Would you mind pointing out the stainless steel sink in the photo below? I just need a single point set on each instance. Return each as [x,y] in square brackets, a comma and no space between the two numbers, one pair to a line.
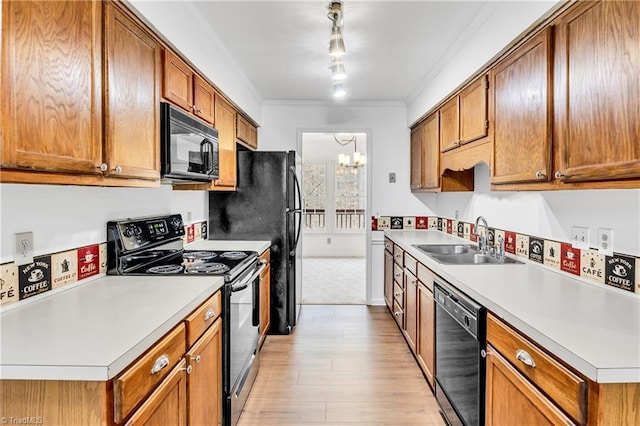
[446,248]
[461,254]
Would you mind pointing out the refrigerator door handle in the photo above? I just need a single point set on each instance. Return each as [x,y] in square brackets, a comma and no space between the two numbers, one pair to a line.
[296,210]
[297,182]
[295,243]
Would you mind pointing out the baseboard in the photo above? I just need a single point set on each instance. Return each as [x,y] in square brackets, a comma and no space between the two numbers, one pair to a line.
[377,302]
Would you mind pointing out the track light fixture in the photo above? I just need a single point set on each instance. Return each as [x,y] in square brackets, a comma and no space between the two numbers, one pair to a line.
[337,48]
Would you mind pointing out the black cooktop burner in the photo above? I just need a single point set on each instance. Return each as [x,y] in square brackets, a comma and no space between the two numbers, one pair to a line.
[165,269]
[235,255]
[207,268]
[199,255]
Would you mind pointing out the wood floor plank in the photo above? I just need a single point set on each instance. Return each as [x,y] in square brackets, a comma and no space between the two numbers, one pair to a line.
[342,365]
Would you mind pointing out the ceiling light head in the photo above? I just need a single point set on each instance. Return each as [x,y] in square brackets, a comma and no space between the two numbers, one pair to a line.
[338,90]
[335,12]
[338,72]
[336,44]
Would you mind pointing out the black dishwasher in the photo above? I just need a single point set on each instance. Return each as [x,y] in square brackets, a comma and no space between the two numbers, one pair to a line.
[460,341]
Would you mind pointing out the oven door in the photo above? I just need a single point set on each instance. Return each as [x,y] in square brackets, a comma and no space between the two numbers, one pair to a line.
[244,323]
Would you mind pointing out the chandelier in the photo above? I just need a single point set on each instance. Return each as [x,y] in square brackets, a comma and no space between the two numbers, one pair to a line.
[356,159]
[336,48]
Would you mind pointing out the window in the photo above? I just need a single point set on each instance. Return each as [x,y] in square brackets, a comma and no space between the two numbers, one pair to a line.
[334,202]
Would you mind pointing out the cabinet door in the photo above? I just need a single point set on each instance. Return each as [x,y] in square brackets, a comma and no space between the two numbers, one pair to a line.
[388,279]
[252,135]
[431,153]
[203,99]
[177,82]
[52,85]
[167,405]
[416,157]
[411,309]
[204,382]
[226,125]
[132,98]
[473,111]
[425,350]
[265,301]
[597,58]
[450,125]
[523,113]
[510,396]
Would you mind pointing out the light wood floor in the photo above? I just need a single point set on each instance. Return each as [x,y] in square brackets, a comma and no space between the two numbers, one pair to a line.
[342,365]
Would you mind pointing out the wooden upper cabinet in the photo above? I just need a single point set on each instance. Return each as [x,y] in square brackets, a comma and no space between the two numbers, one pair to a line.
[203,99]
[177,82]
[431,153]
[416,157]
[597,82]
[450,124]
[246,132]
[225,117]
[131,98]
[51,75]
[473,111]
[523,113]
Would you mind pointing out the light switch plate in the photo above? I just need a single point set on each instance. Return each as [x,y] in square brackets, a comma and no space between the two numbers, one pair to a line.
[580,237]
[392,177]
[605,241]
[23,249]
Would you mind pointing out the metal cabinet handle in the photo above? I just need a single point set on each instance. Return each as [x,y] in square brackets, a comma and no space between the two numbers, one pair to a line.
[161,362]
[103,167]
[524,357]
[397,313]
[456,144]
[397,275]
[540,175]
[559,175]
[209,314]
[196,359]
[397,294]
[118,170]
[189,369]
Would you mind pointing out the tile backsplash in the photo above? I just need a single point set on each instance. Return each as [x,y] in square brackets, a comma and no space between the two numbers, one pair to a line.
[620,270]
[55,270]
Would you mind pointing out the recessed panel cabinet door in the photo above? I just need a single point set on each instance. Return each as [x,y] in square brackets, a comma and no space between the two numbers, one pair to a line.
[523,113]
[177,81]
[450,125]
[51,85]
[473,111]
[431,153]
[132,101]
[203,99]
[226,126]
[416,158]
[597,81]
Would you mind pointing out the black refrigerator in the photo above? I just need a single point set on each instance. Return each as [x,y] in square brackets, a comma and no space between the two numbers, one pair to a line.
[267,205]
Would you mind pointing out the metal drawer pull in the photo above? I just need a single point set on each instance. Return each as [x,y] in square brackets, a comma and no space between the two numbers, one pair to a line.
[397,314]
[397,294]
[559,175]
[189,369]
[196,359]
[397,275]
[540,175]
[161,362]
[525,358]
[209,314]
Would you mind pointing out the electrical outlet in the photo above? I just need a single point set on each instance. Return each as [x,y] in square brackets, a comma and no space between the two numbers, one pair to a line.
[580,237]
[605,241]
[23,249]
[392,177]
[328,240]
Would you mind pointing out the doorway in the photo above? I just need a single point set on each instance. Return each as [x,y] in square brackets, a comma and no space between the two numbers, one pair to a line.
[334,184]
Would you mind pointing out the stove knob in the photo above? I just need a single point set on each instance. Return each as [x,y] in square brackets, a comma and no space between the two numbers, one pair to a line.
[176,223]
[137,230]
[128,232]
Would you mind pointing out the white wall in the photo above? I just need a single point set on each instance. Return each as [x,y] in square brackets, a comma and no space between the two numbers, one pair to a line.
[341,245]
[64,217]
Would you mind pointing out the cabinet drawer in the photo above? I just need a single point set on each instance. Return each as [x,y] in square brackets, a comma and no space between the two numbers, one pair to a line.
[398,275]
[140,378]
[425,276]
[388,245]
[203,317]
[398,255]
[398,313]
[566,389]
[410,264]
[398,295]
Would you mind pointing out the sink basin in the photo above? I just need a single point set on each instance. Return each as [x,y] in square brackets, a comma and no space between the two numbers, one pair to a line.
[471,259]
[446,248]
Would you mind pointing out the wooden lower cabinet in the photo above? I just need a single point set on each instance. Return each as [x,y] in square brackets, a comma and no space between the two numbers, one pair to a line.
[410,309]
[204,380]
[388,279]
[167,405]
[512,399]
[425,349]
[265,299]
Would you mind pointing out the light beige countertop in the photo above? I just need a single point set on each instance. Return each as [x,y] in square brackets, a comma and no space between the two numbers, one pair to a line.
[94,330]
[593,328]
[229,245]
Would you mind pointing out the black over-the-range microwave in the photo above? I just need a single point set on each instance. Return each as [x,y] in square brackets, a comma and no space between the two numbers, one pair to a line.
[188,147]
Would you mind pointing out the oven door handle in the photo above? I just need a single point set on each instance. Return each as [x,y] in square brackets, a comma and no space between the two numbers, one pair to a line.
[245,283]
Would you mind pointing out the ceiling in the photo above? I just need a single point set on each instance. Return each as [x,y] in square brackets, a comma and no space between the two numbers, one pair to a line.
[393,47]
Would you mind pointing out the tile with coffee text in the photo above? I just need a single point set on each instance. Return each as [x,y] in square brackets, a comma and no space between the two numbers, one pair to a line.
[510,242]
[384,223]
[433,222]
[552,254]
[461,229]
[88,261]
[449,226]
[35,278]
[522,245]
[64,268]
[592,265]
[396,222]
[191,233]
[473,236]
[374,223]
[454,227]
[197,231]
[569,259]
[536,249]
[409,222]
[467,231]
[102,252]
[9,285]
[422,222]
[620,271]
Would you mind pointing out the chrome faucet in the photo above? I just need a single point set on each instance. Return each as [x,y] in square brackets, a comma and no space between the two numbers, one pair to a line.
[482,245]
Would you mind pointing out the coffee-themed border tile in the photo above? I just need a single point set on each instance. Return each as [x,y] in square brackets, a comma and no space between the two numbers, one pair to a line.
[56,270]
[620,270]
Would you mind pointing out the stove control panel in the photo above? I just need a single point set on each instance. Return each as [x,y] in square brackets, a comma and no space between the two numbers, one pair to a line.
[138,233]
